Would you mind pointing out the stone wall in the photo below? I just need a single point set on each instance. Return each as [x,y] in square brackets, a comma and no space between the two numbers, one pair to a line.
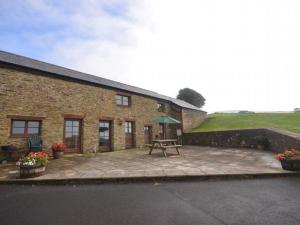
[234,138]
[192,119]
[32,93]
[274,140]
[175,112]
[280,139]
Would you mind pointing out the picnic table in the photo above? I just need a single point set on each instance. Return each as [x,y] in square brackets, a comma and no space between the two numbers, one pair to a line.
[164,145]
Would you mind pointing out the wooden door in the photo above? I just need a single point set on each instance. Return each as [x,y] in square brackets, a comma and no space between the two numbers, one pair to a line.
[147,134]
[72,135]
[162,131]
[129,137]
[105,138]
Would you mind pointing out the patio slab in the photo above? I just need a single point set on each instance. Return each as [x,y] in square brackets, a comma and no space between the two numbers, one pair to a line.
[137,163]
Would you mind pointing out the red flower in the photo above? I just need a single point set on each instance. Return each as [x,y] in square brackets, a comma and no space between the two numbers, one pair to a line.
[289,154]
[58,147]
[280,156]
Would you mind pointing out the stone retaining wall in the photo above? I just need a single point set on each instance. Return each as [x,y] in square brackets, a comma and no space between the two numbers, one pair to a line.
[269,139]
[280,140]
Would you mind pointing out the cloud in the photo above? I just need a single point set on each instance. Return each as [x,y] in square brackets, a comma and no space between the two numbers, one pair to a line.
[238,54]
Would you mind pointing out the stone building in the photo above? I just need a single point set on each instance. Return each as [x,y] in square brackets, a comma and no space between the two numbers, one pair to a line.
[86,112]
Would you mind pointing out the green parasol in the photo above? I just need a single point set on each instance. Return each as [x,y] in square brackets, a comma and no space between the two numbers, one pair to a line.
[165,120]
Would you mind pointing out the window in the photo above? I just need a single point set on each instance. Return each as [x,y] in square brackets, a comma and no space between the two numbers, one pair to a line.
[128,127]
[123,100]
[160,107]
[24,128]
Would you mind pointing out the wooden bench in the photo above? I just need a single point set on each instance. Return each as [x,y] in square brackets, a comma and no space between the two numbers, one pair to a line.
[163,145]
[172,146]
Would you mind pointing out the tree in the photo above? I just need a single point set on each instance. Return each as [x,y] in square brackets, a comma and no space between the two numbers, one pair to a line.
[191,96]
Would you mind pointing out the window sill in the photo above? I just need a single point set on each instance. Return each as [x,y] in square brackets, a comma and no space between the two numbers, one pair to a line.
[22,136]
[17,136]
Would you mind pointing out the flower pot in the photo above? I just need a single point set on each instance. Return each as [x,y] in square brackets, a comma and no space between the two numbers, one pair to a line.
[57,154]
[31,171]
[293,165]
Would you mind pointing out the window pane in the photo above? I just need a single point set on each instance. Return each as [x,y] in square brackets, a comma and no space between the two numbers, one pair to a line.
[68,135]
[18,130]
[102,129]
[33,130]
[68,129]
[75,130]
[160,107]
[17,123]
[33,124]
[104,141]
[119,101]
[75,123]
[105,134]
[125,102]
[68,123]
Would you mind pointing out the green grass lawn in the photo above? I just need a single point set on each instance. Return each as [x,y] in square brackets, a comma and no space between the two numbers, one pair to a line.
[232,121]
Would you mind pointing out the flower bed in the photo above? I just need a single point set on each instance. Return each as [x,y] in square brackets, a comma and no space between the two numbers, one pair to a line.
[290,159]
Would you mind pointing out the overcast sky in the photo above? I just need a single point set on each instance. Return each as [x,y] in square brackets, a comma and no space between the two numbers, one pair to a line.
[238,54]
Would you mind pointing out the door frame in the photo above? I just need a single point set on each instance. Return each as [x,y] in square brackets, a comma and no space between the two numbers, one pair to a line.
[164,131]
[132,133]
[149,133]
[72,150]
[110,135]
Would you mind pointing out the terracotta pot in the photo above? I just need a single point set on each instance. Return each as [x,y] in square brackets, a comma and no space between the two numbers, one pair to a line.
[31,171]
[57,154]
[293,165]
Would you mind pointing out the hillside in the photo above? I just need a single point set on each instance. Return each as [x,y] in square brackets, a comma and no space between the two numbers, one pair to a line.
[232,121]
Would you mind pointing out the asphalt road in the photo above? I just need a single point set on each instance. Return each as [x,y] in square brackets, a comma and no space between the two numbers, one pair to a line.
[265,201]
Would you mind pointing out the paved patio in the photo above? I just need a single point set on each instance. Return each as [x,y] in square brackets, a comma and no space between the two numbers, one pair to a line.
[193,161]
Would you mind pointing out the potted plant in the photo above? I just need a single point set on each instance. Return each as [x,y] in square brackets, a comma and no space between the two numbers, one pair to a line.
[290,159]
[32,165]
[58,150]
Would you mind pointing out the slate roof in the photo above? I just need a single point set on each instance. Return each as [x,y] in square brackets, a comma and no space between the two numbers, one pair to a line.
[26,62]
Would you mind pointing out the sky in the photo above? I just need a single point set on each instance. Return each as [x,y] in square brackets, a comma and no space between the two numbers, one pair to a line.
[240,55]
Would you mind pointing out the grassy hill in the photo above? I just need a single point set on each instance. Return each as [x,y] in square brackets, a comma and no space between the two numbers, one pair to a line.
[232,121]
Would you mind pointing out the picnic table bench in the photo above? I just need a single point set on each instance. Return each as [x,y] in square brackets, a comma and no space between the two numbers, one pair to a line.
[164,145]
